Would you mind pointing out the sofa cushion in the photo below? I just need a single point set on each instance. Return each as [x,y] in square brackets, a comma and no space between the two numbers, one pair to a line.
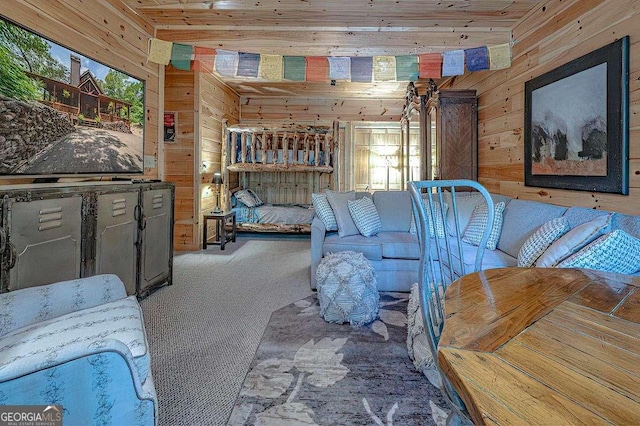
[365,216]
[394,209]
[626,223]
[616,251]
[399,245]
[120,320]
[324,211]
[370,247]
[338,201]
[490,259]
[574,240]
[540,240]
[521,219]
[579,215]
[479,222]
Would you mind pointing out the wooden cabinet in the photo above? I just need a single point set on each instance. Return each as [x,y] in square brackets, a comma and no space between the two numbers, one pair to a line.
[61,233]
[451,134]
[448,131]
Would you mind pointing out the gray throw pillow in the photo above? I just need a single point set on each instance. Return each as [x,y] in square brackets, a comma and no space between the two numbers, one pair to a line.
[338,201]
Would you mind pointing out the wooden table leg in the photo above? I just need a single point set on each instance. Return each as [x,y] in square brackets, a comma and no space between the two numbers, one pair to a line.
[223,233]
[204,235]
[233,229]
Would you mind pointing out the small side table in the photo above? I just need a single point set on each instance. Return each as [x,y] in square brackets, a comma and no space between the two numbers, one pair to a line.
[221,233]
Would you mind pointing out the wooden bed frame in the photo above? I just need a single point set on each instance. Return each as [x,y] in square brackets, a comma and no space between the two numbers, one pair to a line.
[313,150]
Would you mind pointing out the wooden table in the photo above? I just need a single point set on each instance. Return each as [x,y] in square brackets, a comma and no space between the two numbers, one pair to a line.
[544,346]
[221,233]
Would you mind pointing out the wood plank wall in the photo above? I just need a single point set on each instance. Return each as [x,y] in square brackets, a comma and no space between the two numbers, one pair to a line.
[551,35]
[105,31]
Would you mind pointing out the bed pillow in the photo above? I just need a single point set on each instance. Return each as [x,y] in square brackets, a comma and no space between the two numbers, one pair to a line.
[338,202]
[257,199]
[324,211]
[573,241]
[246,196]
[614,252]
[540,240]
[479,220]
[365,216]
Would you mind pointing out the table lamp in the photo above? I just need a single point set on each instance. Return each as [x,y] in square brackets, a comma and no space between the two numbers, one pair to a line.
[217,180]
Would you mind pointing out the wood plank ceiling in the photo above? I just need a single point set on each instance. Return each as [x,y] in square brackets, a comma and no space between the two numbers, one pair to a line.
[332,27]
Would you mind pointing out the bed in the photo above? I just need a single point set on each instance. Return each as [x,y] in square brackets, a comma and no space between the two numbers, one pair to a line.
[286,218]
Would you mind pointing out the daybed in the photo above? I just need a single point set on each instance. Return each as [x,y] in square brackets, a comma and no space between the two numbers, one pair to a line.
[80,344]
[394,251]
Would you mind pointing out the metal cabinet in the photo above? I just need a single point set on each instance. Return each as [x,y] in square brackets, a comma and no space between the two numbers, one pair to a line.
[61,233]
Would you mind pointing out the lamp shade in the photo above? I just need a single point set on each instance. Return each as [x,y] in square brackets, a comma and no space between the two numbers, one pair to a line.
[217,178]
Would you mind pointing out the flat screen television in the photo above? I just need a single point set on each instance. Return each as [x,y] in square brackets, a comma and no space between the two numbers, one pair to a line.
[62,113]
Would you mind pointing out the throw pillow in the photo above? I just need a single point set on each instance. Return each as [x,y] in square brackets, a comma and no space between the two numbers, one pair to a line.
[247,198]
[465,205]
[573,241]
[324,211]
[256,199]
[540,240]
[479,221]
[338,202]
[614,252]
[440,226]
[365,216]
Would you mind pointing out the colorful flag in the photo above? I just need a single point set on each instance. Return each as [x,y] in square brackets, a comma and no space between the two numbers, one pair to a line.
[159,51]
[477,58]
[362,69]
[430,65]
[500,56]
[248,64]
[294,68]
[453,62]
[226,62]
[204,59]
[340,68]
[271,67]
[181,56]
[317,68]
[384,68]
[406,68]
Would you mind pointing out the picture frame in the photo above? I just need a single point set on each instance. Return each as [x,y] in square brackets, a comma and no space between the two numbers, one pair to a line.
[576,130]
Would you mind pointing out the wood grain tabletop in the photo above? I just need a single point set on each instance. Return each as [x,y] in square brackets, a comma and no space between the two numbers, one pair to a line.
[544,346]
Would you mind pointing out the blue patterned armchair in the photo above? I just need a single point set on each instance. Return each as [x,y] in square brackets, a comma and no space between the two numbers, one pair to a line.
[80,344]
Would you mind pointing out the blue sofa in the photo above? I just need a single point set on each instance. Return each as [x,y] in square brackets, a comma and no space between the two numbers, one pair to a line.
[80,344]
[394,252]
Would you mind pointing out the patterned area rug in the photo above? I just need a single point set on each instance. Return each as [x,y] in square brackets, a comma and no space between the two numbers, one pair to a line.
[309,372]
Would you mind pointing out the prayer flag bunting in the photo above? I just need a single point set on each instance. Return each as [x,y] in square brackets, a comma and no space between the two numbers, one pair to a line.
[294,68]
[248,64]
[477,58]
[226,62]
[339,68]
[453,62]
[181,56]
[159,51]
[430,65]
[204,59]
[317,68]
[406,68]
[361,69]
[271,67]
[384,68]
[500,56]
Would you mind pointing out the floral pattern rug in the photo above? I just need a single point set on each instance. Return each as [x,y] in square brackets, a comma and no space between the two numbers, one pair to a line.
[310,372]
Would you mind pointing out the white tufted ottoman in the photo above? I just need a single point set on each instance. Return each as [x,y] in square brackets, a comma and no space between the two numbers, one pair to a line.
[347,289]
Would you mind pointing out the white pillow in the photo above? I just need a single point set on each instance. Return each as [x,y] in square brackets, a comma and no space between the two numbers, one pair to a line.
[573,241]
[614,252]
[338,202]
[465,205]
[324,211]
[248,198]
[479,220]
[540,240]
[365,216]
[440,225]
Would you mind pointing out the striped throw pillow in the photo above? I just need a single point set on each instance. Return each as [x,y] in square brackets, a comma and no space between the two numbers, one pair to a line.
[365,216]
[616,251]
[440,227]
[324,211]
[479,220]
[540,240]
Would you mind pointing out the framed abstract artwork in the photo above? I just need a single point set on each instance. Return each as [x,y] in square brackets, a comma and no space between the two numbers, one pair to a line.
[576,130]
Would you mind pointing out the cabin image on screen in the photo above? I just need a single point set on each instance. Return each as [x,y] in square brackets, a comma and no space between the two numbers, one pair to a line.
[82,99]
